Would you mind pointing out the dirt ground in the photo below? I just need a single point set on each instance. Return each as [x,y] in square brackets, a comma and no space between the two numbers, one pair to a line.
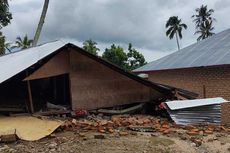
[137,142]
[116,134]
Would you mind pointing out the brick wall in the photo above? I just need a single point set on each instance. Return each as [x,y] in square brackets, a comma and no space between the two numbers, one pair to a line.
[207,82]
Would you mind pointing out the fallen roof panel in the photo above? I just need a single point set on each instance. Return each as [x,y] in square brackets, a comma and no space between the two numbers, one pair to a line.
[181,104]
[197,115]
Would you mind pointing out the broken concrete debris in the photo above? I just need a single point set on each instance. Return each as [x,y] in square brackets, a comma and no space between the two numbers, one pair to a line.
[55,107]
[142,128]
[122,111]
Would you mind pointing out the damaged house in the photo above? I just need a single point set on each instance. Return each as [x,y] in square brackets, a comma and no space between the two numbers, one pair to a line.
[56,73]
[203,68]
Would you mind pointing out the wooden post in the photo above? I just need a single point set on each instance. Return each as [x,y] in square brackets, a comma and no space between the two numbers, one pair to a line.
[30,94]
[204,91]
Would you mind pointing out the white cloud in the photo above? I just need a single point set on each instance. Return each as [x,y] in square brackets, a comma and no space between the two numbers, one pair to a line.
[113,21]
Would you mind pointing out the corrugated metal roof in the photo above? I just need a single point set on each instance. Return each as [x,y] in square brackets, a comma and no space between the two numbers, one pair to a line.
[209,52]
[14,63]
[182,104]
[196,111]
[197,115]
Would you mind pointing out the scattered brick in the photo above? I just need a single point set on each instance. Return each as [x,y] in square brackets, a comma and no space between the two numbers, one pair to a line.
[123,133]
[99,136]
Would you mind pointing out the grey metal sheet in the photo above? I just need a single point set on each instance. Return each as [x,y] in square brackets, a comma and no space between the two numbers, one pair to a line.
[197,115]
[209,52]
[182,104]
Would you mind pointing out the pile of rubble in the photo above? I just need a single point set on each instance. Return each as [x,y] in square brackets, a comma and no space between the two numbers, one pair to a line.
[122,125]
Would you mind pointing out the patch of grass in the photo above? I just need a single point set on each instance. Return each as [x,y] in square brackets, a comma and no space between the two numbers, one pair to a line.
[161,141]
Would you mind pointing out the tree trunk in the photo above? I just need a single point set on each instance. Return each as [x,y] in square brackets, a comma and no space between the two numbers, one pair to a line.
[41,22]
[177,41]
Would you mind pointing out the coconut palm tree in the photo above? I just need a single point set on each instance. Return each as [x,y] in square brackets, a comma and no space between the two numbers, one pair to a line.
[8,46]
[23,43]
[41,22]
[205,30]
[202,15]
[175,27]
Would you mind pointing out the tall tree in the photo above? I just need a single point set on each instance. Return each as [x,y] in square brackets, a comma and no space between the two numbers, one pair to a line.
[205,30]
[90,46]
[175,27]
[41,22]
[5,15]
[135,58]
[202,14]
[2,46]
[116,55]
[23,43]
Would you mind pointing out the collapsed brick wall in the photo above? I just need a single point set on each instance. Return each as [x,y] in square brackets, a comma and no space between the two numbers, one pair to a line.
[207,82]
[94,85]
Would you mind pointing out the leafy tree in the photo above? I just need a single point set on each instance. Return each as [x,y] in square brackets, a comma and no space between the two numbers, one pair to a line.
[116,55]
[23,43]
[90,46]
[135,59]
[202,15]
[205,30]
[175,27]
[5,15]
[127,61]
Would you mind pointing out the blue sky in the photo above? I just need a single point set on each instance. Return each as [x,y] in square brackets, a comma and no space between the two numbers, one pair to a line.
[113,21]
